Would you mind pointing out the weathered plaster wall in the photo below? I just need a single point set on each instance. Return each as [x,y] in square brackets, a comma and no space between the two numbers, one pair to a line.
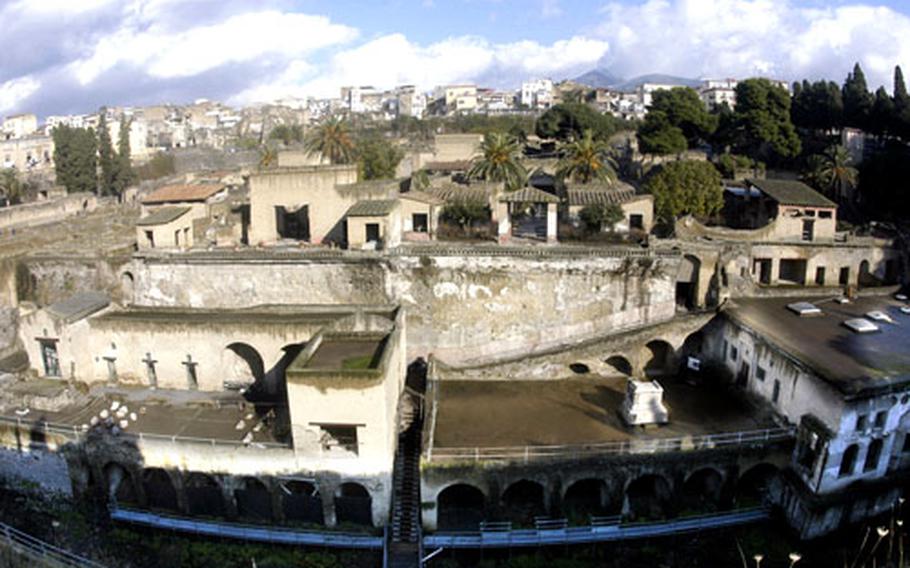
[38,213]
[461,307]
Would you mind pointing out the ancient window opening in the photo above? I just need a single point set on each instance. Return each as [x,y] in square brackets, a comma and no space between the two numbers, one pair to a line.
[338,437]
[293,223]
[760,373]
[150,238]
[873,454]
[637,222]
[861,421]
[824,214]
[881,417]
[775,396]
[50,357]
[372,232]
[848,461]
[420,223]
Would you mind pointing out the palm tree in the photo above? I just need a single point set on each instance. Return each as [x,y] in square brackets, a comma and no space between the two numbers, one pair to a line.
[832,173]
[331,139]
[587,160]
[499,159]
[268,156]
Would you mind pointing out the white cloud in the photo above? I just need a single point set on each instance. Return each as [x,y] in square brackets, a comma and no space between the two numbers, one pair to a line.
[393,60]
[746,37]
[241,38]
[14,91]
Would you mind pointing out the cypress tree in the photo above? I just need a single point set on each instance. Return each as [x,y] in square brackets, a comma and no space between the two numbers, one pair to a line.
[124,175]
[858,100]
[107,160]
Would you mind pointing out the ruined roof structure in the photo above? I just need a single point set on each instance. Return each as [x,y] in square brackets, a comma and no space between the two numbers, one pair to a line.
[528,195]
[79,306]
[421,197]
[600,195]
[853,363]
[374,208]
[162,216]
[182,193]
[791,192]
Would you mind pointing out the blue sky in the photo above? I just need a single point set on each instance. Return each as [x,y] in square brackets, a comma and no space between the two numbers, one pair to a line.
[68,56]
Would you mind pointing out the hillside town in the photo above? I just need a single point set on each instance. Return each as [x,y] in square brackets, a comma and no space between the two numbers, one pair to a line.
[408,328]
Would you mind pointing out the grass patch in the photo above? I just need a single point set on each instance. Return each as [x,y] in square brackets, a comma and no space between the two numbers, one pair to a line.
[356,363]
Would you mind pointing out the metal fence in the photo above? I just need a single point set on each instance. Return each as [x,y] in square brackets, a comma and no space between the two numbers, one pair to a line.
[257,533]
[40,552]
[527,454]
[71,432]
[601,529]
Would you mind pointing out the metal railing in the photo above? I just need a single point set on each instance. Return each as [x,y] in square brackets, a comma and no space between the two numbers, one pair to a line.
[600,529]
[42,553]
[527,454]
[257,533]
[71,432]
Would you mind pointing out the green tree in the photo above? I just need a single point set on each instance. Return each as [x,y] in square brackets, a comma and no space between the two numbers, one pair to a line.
[882,181]
[901,120]
[569,121]
[287,133]
[11,185]
[331,139]
[499,159]
[858,101]
[76,158]
[126,176]
[761,127]
[464,213]
[684,109]
[882,116]
[657,136]
[159,166]
[420,180]
[832,173]
[685,188]
[107,159]
[377,158]
[817,106]
[596,217]
[586,160]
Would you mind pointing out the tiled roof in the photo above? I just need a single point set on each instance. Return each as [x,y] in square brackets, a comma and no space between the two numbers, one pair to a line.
[375,208]
[452,193]
[451,166]
[79,306]
[600,195]
[162,216]
[422,197]
[183,192]
[528,195]
[791,192]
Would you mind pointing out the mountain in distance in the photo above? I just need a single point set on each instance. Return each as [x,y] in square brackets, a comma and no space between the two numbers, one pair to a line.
[597,79]
[658,78]
[603,78]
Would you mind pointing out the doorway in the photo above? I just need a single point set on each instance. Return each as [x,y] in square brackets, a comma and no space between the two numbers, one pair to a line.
[372,232]
[50,357]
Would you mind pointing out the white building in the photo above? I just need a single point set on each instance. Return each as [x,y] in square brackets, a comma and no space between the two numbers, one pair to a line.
[717,92]
[537,94]
[19,126]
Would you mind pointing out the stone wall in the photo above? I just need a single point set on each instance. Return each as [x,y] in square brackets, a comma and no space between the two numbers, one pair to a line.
[463,305]
[40,471]
[40,212]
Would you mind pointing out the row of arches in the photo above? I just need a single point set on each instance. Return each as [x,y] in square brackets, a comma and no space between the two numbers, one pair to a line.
[656,358]
[249,499]
[651,496]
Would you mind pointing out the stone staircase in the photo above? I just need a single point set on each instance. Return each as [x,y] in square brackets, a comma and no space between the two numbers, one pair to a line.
[404,534]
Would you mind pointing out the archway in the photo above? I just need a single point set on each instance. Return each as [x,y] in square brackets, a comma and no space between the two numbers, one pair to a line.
[659,358]
[254,500]
[159,489]
[203,495]
[620,364]
[588,498]
[687,282]
[353,505]
[701,493]
[524,500]
[120,487]
[460,507]
[866,278]
[243,365]
[648,498]
[756,485]
[270,395]
[127,288]
[301,502]
[580,368]
[693,344]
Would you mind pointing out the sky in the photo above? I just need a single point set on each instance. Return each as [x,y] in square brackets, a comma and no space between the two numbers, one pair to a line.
[73,56]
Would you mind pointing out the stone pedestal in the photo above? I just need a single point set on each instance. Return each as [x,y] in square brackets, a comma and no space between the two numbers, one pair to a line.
[644,404]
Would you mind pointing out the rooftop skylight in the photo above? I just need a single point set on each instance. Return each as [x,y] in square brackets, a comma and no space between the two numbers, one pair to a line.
[860,325]
[881,316]
[804,309]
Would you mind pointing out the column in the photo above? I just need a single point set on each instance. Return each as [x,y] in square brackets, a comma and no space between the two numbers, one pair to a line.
[551,223]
